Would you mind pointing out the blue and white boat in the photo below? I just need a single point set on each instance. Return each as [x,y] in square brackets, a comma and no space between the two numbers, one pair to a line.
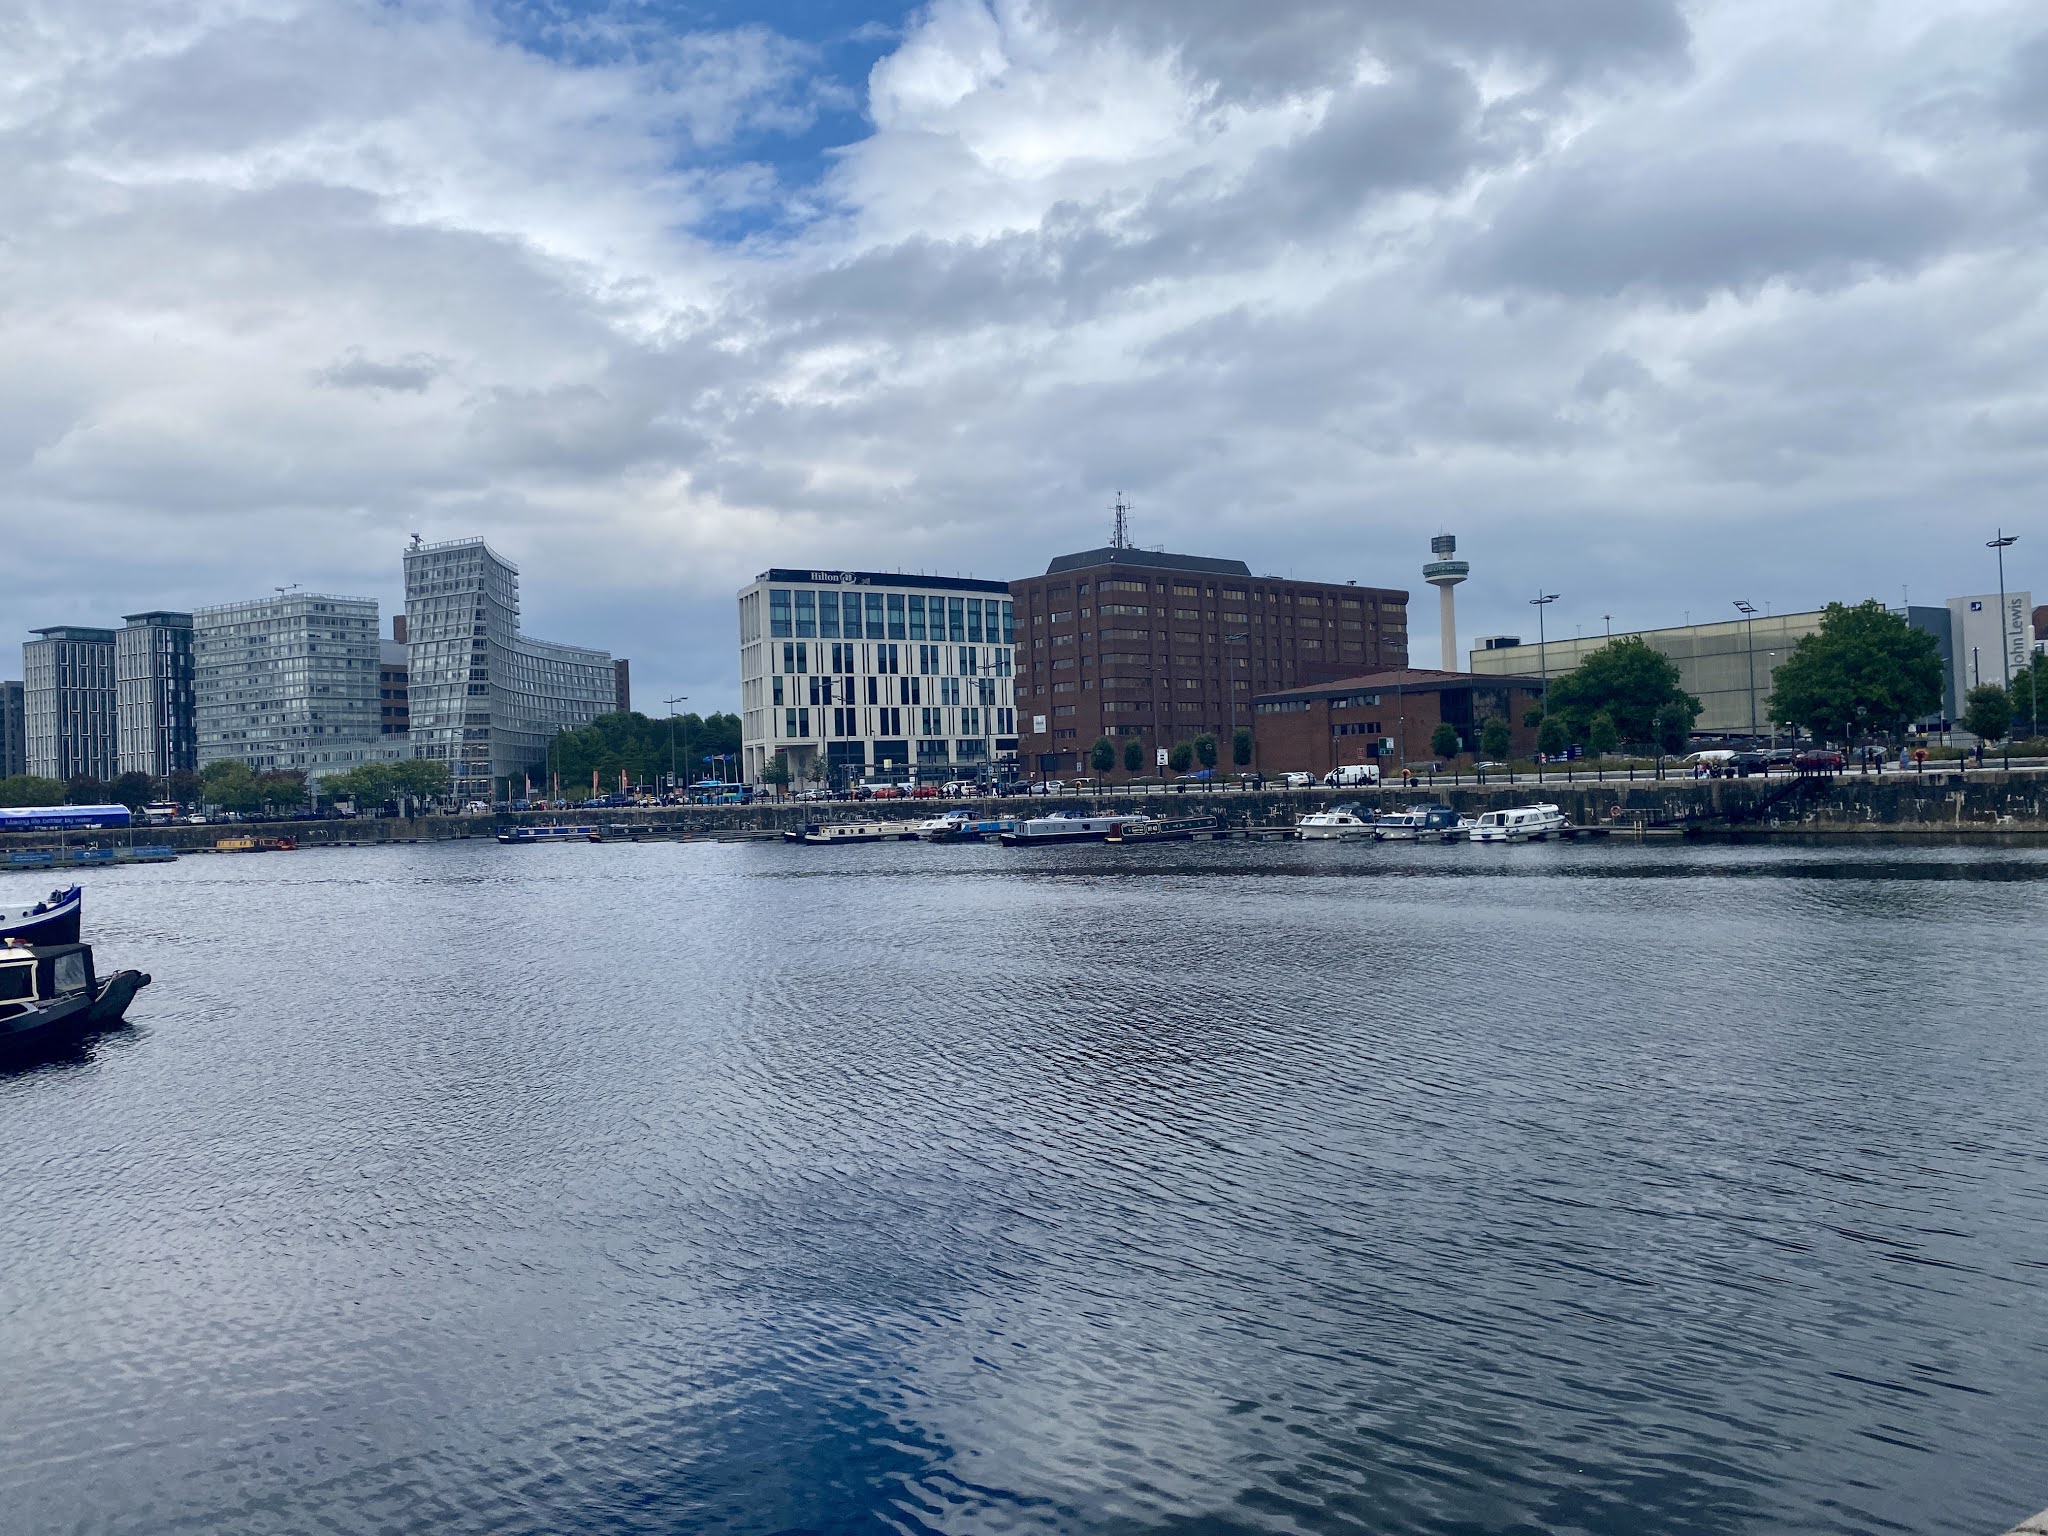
[550,835]
[53,920]
[965,827]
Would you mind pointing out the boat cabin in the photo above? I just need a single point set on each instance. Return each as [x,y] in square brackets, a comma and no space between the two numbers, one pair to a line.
[32,975]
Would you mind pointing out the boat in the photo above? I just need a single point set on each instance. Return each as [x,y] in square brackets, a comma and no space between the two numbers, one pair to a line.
[549,834]
[1523,824]
[255,844]
[49,995]
[1069,827]
[53,920]
[1421,824]
[965,827]
[860,832]
[1172,829]
[1337,823]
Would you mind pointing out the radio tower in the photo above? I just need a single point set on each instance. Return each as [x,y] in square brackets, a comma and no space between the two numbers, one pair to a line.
[1121,538]
[1444,573]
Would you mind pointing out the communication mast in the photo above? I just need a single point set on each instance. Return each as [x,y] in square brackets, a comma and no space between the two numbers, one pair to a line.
[1121,538]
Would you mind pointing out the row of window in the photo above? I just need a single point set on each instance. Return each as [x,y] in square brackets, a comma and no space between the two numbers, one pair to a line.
[808,615]
[800,658]
[825,689]
[887,720]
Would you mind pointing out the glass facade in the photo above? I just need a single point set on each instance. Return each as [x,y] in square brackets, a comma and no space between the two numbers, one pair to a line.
[484,698]
[288,683]
[845,679]
[69,718]
[156,695]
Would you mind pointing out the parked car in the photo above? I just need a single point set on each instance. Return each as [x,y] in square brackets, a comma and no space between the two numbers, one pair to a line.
[1743,764]
[1491,767]
[1299,780]
[956,789]
[1820,761]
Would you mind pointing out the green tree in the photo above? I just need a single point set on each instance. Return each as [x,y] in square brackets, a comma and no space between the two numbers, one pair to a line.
[1134,755]
[1181,758]
[1241,746]
[1102,756]
[1532,717]
[183,787]
[26,789]
[1601,736]
[420,777]
[1551,737]
[1206,747]
[367,784]
[1630,682]
[1987,712]
[1495,739]
[230,784]
[134,790]
[1671,728]
[642,747]
[2029,694]
[281,790]
[1865,670]
[776,771]
[1444,740]
[84,789]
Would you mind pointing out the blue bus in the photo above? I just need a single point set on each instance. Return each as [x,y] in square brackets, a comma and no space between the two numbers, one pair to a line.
[63,818]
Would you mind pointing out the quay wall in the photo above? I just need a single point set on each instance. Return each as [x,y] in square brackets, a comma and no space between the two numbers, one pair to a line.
[1951,804]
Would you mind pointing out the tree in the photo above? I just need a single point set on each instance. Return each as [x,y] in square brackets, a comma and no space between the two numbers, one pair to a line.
[1552,738]
[420,777]
[1241,746]
[1864,670]
[1444,740]
[1630,682]
[27,789]
[1134,755]
[84,789]
[281,790]
[629,740]
[1671,728]
[231,785]
[1181,758]
[183,787]
[2029,691]
[1102,756]
[1987,712]
[134,790]
[1601,735]
[776,771]
[1495,739]
[1532,717]
[1205,749]
[365,784]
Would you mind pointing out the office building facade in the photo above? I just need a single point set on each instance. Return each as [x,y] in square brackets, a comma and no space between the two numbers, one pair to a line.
[484,698]
[288,683]
[68,703]
[394,672]
[156,695]
[852,674]
[13,731]
[1990,643]
[1387,719]
[1123,642]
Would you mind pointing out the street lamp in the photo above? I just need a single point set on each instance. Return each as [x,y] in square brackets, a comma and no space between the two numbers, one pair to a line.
[1539,603]
[1749,630]
[1230,683]
[2001,543]
[681,698]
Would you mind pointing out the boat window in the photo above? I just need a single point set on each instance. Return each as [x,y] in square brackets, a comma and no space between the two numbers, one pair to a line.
[71,972]
[17,981]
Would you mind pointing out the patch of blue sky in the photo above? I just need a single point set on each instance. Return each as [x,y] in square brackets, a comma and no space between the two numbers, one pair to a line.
[837,43]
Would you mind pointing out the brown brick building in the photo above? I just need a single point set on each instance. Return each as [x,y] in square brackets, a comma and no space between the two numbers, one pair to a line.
[1124,642]
[1386,718]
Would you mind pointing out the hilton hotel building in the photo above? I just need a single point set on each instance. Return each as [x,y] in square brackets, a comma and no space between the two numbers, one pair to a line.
[857,673]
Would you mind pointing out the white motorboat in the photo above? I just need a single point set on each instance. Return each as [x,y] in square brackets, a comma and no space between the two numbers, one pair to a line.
[1524,824]
[1338,823]
[1421,824]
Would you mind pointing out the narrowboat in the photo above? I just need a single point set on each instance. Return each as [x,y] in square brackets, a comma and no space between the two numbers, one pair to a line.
[1069,827]
[50,995]
[550,835]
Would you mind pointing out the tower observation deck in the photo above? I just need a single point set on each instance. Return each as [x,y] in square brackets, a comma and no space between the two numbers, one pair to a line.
[1444,573]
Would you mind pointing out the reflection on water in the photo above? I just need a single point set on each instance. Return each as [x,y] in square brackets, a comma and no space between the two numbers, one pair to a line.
[1209,1188]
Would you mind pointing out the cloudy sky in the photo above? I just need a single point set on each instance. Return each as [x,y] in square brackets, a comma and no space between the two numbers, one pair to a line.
[1655,304]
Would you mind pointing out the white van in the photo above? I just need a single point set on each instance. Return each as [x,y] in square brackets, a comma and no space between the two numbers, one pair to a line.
[1352,774]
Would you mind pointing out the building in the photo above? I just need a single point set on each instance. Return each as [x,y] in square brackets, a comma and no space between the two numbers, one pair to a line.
[394,717]
[13,731]
[484,698]
[847,673]
[1386,718]
[622,685]
[1124,642]
[68,703]
[1987,650]
[288,683]
[156,698]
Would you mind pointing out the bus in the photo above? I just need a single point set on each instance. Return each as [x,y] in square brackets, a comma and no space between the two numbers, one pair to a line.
[64,818]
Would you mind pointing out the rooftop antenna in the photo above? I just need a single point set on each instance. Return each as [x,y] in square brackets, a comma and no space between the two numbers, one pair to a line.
[1121,538]
[415,541]
[280,591]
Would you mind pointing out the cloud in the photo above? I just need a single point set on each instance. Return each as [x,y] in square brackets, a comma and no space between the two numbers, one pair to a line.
[409,374]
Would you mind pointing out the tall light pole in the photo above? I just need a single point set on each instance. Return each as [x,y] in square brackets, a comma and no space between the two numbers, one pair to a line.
[681,698]
[1230,682]
[1539,603]
[1749,630]
[2001,543]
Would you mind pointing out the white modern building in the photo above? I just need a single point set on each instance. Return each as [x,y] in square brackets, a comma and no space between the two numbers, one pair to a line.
[156,694]
[482,697]
[68,708]
[851,674]
[1990,643]
[288,683]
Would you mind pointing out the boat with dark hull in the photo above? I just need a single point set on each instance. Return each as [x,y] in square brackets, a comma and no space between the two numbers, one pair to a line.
[50,996]
[1170,829]
[1070,827]
[550,834]
[53,920]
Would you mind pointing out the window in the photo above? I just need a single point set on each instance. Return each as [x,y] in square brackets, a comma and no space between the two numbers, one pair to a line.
[1063,618]
[1125,608]
[1064,711]
[1187,613]
[974,621]
[1062,639]
[849,615]
[828,616]
[778,687]
[896,627]
[917,618]
[1282,707]
[928,660]
[906,690]
[1123,586]
[1237,618]
[1009,623]
[807,614]
[778,612]
[931,722]
[1063,664]
[1180,590]
[967,667]
[956,619]
[874,691]
[1063,688]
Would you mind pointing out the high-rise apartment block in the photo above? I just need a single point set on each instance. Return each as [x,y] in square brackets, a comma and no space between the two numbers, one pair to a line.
[846,673]
[394,678]
[69,702]
[13,731]
[155,695]
[289,683]
[484,698]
